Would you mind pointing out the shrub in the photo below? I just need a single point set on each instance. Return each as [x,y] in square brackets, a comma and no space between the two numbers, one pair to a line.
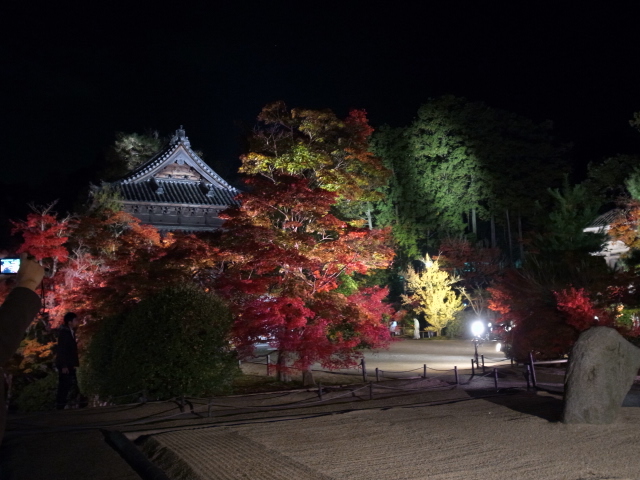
[39,395]
[171,344]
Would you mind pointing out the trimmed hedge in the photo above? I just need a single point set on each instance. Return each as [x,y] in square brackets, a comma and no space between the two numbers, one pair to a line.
[171,344]
[39,395]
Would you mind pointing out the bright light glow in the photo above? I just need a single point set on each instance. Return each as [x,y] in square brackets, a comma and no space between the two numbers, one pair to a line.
[498,347]
[477,328]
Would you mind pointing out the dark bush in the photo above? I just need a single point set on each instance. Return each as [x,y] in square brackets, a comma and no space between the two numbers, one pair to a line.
[172,344]
[39,395]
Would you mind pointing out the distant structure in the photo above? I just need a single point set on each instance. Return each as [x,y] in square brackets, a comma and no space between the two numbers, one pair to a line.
[175,190]
[612,249]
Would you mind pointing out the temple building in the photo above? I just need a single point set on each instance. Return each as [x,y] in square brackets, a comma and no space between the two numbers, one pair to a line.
[612,249]
[175,190]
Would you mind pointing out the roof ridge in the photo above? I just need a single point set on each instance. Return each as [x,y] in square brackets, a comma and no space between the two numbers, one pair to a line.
[178,140]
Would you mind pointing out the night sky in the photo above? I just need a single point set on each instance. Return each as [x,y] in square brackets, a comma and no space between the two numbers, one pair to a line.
[74,76]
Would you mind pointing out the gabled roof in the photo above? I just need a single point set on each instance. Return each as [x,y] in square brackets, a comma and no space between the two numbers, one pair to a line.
[606,218]
[176,175]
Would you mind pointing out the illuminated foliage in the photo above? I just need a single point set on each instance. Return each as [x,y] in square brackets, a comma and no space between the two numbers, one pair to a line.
[129,151]
[431,293]
[545,305]
[476,267]
[581,312]
[459,160]
[530,321]
[44,237]
[329,152]
[625,227]
[284,254]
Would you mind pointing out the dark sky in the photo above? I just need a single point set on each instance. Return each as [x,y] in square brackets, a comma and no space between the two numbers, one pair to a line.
[73,76]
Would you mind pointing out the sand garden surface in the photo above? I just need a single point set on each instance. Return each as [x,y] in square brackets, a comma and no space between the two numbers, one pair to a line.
[413,428]
[443,435]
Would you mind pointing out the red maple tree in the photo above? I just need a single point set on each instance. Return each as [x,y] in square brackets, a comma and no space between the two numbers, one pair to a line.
[44,236]
[284,254]
[529,320]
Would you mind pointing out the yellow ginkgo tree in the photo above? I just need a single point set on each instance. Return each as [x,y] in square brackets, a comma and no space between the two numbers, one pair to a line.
[430,291]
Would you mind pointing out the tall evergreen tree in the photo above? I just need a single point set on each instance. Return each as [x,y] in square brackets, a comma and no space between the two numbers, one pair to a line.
[129,151]
[561,231]
[460,162]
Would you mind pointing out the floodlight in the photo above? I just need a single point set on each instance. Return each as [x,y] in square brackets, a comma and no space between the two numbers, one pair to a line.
[477,328]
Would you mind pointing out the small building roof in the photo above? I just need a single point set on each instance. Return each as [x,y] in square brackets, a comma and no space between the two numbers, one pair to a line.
[176,175]
[175,193]
[606,218]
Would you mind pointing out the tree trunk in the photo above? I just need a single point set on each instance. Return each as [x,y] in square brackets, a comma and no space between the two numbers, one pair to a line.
[494,243]
[474,225]
[369,218]
[509,236]
[307,378]
[520,242]
[283,376]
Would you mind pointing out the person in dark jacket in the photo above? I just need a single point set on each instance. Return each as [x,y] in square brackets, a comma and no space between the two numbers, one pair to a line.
[67,359]
[16,313]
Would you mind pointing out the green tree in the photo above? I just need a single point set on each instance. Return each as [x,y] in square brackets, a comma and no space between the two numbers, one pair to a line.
[331,153]
[460,162]
[633,184]
[432,293]
[129,151]
[559,258]
[402,207]
[616,176]
[560,232]
[174,343]
[608,179]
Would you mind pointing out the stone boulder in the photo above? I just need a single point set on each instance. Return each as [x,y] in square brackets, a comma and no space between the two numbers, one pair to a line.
[602,367]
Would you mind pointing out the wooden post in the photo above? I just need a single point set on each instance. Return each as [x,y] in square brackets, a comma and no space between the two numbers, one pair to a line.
[533,371]
[268,365]
[473,369]
[455,372]
[370,390]
[483,369]
[320,390]
[377,375]
[527,375]
[424,371]
[364,370]
[495,377]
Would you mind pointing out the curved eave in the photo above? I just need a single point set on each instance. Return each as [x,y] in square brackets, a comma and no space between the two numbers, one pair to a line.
[168,156]
[176,193]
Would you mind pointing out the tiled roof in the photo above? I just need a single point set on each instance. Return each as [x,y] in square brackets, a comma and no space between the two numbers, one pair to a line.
[175,192]
[606,218]
[155,162]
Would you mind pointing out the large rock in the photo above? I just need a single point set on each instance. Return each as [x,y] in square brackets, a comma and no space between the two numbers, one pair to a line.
[602,367]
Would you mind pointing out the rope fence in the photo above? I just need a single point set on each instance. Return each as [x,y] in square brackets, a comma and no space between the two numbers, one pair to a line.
[414,381]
